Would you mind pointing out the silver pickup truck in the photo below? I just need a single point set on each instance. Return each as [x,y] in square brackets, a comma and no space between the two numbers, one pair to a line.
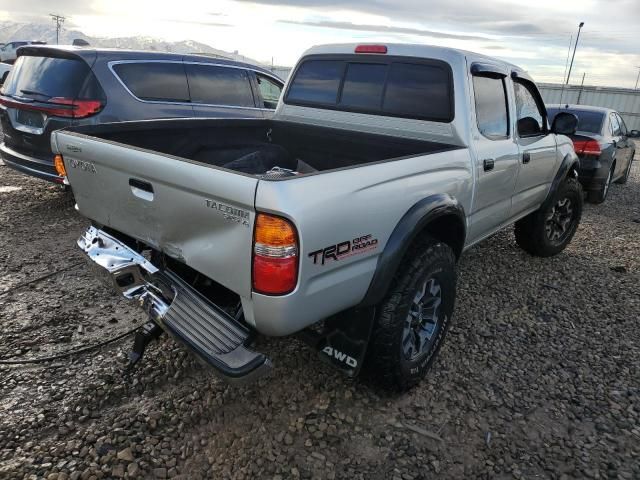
[340,219]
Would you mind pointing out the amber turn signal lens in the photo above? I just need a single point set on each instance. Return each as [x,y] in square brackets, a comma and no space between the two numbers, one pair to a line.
[274,231]
[59,164]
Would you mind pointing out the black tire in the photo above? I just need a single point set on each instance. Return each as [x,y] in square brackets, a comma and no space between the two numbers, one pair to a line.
[623,179]
[533,231]
[429,264]
[599,196]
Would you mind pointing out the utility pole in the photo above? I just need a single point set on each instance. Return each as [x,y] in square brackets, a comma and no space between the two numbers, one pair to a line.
[574,51]
[637,78]
[580,92]
[59,19]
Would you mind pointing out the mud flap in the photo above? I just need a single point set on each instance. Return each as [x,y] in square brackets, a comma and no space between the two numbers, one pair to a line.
[343,339]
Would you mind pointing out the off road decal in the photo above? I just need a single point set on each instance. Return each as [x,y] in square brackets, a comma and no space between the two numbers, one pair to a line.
[345,249]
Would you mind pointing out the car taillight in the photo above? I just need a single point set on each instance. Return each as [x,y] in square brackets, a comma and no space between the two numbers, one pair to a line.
[371,49]
[587,147]
[60,107]
[275,255]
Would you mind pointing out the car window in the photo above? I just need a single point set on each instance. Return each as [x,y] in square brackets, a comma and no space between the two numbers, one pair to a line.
[590,122]
[530,118]
[269,90]
[421,91]
[363,86]
[615,126]
[216,85]
[623,126]
[20,44]
[155,81]
[45,77]
[491,107]
[317,81]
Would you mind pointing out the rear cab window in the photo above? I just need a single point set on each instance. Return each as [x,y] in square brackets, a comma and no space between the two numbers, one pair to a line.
[376,85]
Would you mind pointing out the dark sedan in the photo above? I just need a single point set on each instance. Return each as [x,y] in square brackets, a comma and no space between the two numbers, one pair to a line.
[602,142]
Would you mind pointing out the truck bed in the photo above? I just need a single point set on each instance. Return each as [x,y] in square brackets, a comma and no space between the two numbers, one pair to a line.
[254,147]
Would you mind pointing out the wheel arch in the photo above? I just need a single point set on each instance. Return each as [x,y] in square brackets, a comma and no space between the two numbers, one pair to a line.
[440,216]
[568,168]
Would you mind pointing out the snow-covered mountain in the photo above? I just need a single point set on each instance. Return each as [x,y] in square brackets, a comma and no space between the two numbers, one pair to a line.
[13,31]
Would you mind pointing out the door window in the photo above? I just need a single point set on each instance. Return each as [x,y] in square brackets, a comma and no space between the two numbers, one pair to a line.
[530,116]
[269,90]
[491,107]
[615,126]
[623,127]
[215,85]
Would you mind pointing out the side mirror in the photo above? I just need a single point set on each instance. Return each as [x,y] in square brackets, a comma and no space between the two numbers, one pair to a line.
[634,133]
[565,123]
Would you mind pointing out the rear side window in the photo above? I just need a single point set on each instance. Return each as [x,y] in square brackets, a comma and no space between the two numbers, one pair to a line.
[491,107]
[42,78]
[155,80]
[386,86]
[219,85]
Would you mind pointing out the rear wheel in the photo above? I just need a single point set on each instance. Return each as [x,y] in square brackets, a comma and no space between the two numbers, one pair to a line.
[548,230]
[599,196]
[413,319]
[625,177]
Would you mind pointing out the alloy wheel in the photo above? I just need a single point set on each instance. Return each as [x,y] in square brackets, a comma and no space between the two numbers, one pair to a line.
[423,320]
[558,221]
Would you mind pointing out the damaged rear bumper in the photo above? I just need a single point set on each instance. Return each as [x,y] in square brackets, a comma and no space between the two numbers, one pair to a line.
[203,327]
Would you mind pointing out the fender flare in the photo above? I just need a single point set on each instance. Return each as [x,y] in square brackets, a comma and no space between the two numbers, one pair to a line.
[410,225]
[569,163]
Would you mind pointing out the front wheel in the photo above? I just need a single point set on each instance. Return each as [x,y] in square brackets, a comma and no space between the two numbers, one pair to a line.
[548,230]
[413,319]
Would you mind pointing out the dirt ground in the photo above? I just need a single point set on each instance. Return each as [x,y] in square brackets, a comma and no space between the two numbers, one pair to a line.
[539,377]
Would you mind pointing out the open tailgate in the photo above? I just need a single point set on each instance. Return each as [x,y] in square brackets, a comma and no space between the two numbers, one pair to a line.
[198,214]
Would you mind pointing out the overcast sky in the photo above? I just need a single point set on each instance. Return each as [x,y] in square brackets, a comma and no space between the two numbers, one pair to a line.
[534,34]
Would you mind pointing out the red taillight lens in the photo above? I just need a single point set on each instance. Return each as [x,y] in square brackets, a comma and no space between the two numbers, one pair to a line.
[371,49]
[275,255]
[60,107]
[587,147]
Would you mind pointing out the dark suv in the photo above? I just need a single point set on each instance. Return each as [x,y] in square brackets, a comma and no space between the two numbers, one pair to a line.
[54,87]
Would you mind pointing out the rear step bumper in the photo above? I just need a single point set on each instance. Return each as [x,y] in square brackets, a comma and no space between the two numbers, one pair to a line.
[207,330]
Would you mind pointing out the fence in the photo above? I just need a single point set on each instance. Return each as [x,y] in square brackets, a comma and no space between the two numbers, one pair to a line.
[624,100]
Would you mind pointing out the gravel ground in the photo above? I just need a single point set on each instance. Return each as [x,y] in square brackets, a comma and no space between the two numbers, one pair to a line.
[539,378]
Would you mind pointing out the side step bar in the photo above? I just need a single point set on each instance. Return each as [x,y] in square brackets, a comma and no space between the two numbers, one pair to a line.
[207,330]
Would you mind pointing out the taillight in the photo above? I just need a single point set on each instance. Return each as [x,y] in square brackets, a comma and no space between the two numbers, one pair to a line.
[58,163]
[587,147]
[275,255]
[371,49]
[60,107]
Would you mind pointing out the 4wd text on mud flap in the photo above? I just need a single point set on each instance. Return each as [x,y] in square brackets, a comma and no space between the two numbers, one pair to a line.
[345,249]
[341,357]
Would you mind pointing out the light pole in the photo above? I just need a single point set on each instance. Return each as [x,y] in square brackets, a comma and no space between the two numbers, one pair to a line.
[574,51]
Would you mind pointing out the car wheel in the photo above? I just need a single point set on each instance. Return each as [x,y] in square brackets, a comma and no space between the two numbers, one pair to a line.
[622,180]
[599,196]
[413,319]
[549,230]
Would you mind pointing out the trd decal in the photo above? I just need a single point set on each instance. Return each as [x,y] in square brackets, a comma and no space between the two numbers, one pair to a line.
[344,249]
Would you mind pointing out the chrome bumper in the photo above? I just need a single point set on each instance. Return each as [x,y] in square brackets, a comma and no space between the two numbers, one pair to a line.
[212,334]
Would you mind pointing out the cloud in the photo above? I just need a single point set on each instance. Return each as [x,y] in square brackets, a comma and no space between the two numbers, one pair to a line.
[382,29]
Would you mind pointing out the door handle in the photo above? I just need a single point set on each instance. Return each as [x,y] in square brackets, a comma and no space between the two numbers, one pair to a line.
[526,157]
[141,189]
[488,164]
